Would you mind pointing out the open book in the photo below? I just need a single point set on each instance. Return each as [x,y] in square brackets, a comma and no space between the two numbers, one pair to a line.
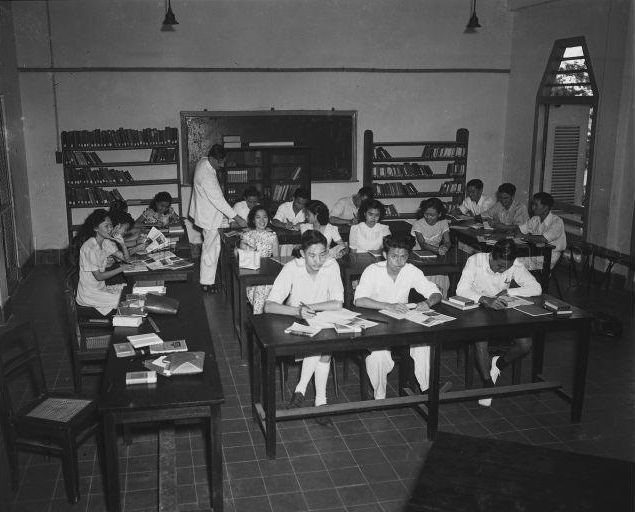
[425,318]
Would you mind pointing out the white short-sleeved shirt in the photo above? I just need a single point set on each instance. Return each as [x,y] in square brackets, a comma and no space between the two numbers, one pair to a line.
[432,234]
[241,209]
[90,291]
[478,279]
[285,213]
[515,215]
[483,204]
[363,238]
[553,230]
[376,284]
[330,232]
[344,208]
[294,284]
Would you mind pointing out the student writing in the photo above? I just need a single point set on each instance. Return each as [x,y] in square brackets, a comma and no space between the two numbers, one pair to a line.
[310,282]
[291,214]
[486,279]
[317,215]
[345,209]
[475,202]
[160,211]
[507,213]
[368,235]
[386,285]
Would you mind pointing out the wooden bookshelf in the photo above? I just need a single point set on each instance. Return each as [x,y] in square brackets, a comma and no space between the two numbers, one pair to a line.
[408,171]
[275,171]
[149,163]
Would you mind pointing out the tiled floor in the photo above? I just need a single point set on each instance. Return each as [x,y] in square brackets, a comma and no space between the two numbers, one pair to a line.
[364,462]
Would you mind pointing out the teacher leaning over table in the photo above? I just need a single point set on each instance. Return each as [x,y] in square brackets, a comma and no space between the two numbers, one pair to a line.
[208,207]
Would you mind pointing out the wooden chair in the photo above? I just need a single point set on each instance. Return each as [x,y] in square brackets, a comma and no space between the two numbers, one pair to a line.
[87,346]
[51,424]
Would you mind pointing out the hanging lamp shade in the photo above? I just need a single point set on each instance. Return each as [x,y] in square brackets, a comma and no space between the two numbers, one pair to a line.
[170,19]
[473,24]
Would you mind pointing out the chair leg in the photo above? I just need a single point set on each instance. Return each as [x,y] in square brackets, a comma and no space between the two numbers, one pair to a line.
[77,377]
[469,365]
[70,470]
[283,378]
[517,367]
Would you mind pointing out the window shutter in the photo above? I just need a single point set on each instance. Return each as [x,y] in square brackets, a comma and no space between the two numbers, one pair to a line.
[564,173]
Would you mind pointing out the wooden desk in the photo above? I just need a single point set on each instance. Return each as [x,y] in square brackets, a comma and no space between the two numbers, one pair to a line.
[470,236]
[267,341]
[188,397]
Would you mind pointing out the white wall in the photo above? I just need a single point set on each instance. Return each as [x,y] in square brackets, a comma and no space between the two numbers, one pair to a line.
[262,33]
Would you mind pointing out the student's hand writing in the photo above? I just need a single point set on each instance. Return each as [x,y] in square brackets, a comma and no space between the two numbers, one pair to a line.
[422,306]
[398,307]
[443,250]
[494,302]
[306,311]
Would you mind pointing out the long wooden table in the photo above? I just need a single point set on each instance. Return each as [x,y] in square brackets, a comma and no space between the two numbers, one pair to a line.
[189,397]
[462,233]
[267,342]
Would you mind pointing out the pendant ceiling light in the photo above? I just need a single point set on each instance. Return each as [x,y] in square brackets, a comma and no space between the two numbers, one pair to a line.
[170,19]
[473,24]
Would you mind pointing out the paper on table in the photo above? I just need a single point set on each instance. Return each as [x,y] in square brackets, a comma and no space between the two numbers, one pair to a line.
[428,318]
[157,240]
[306,330]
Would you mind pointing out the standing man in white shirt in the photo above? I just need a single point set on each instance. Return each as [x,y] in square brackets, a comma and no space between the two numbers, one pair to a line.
[486,279]
[475,203]
[345,209]
[543,228]
[386,285]
[208,208]
[291,214]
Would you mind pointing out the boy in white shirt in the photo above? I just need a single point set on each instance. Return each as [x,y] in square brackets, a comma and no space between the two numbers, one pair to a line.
[386,285]
[251,198]
[475,203]
[486,279]
[291,214]
[544,227]
[308,283]
[345,209]
[506,213]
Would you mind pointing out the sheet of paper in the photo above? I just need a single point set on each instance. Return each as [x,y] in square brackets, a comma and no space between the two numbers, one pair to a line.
[306,330]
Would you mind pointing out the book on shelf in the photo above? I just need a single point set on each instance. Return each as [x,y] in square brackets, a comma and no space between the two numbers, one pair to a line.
[382,154]
[451,187]
[390,210]
[78,139]
[232,145]
[455,169]
[272,144]
[405,170]
[92,196]
[232,141]
[296,173]
[395,189]
[442,151]
[163,155]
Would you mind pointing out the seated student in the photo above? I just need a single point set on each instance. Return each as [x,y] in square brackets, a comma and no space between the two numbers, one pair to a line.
[291,214]
[386,285]
[262,239]
[345,209]
[475,203]
[368,235]
[544,227]
[432,232]
[123,224]
[159,213]
[486,279]
[92,290]
[506,214]
[317,214]
[119,207]
[311,282]
[242,208]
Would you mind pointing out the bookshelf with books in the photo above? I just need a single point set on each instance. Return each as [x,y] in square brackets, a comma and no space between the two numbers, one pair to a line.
[402,174]
[276,171]
[133,165]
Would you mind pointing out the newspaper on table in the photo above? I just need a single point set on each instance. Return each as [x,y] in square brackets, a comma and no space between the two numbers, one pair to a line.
[157,240]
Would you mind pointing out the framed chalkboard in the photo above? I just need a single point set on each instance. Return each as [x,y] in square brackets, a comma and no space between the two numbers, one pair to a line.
[330,134]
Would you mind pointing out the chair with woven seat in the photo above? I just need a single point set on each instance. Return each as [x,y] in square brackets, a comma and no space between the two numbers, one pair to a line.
[88,346]
[45,423]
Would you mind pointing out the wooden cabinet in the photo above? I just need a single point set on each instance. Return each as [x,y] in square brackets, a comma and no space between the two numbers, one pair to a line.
[404,173]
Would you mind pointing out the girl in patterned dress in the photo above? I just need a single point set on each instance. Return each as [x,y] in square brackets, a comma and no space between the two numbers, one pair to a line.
[159,213]
[261,239]
[432,231]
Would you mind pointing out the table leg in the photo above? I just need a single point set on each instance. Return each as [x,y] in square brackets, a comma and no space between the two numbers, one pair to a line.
[433,391]
[215,462]
[111,462]
[538,355]
[269,388]
[546,270]
[242,308]
[579,379]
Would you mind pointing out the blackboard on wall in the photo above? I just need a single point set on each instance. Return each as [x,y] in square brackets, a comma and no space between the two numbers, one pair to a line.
[331,135]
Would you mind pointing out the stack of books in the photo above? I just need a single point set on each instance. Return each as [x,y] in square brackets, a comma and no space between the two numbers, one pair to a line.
[462,303]
[556,306]
[232,141]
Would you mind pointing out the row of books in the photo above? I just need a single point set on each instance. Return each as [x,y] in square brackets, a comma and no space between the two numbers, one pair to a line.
[244,175]
[122,137]
[163,155]
[92,196]
[394,189]
[283,173]
[81,158]
[283,192]
[404,170]
[428,151]
[232,141]
[451,187]
[456,169]
[98,176]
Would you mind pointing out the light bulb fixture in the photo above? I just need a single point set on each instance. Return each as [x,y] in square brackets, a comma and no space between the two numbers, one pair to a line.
[170,19]
[473,24]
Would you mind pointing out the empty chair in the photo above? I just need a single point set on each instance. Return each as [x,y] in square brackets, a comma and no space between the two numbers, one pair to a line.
[46,423]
